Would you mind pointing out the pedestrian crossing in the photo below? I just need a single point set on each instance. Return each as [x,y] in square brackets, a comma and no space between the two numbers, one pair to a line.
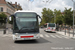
[53,36]
[41,35]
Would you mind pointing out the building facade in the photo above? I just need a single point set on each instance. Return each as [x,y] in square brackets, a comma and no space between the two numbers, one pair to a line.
[9,8]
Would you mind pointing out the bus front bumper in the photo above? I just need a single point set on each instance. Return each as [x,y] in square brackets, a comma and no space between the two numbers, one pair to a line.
[25,38]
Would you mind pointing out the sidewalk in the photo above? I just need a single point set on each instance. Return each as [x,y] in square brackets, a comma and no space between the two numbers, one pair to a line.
[70,35]
[7,31]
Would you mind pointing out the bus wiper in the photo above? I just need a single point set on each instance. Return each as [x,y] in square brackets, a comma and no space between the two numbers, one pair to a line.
[27,29]
[22,28]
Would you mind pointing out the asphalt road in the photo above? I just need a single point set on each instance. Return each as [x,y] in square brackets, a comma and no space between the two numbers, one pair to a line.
[48,41]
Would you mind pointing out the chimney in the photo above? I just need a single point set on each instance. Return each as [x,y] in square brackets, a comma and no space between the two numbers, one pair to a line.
[19,4]
[3,1]
[15,3]
[11,2]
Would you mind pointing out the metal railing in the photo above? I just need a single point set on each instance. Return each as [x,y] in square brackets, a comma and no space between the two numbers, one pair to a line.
[66,30]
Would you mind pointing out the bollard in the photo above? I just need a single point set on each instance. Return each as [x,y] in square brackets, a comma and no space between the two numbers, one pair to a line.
[69,31]
[4,31]
[65,29]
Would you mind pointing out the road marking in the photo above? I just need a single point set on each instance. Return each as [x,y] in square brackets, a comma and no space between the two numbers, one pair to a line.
[52,36]
[10,35]
[58,36]
[41,35]
[46,35]
[65,37]
[5,35]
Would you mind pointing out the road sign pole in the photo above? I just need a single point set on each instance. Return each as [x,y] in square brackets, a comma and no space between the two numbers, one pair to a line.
[73,16]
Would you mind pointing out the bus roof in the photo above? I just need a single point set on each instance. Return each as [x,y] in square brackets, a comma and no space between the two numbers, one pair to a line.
[49,23]
[25,11]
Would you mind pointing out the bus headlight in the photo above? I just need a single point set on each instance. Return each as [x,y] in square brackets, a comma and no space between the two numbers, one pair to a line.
[37,35]
[16,34]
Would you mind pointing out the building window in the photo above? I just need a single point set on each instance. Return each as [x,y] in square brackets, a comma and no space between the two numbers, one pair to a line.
[1,9]
[15,6]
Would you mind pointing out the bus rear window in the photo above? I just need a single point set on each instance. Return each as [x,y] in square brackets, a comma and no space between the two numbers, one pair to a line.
[25,14]
[51,25]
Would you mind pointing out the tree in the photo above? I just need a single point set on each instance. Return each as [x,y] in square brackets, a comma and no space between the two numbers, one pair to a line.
[3,18]
[59,19]
[58,16]
[68,17]
[47,16]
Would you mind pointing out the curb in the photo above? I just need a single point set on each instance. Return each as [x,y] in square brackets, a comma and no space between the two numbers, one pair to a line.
[72,37]
[65,35]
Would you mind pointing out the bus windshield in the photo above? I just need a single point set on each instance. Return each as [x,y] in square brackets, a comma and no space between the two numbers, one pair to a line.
[51,25]
[27,23]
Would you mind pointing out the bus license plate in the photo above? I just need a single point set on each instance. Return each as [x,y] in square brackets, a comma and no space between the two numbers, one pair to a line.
[26,38]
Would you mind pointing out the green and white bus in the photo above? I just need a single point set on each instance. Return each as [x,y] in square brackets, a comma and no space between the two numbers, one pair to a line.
[25,25]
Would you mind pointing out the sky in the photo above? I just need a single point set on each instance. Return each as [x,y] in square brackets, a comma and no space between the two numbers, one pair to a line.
[38,5]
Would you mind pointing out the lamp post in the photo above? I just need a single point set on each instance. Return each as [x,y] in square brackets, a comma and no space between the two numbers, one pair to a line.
[55,18]
[73,15]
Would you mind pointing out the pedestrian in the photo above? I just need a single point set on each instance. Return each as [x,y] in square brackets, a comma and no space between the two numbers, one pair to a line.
[57,27]
[4,31]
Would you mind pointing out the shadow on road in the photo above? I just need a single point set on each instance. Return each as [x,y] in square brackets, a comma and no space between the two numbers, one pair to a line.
[41,40]
[50,32]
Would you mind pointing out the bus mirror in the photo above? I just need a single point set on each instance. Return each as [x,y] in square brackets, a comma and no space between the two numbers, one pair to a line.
[9,18]
[40,18]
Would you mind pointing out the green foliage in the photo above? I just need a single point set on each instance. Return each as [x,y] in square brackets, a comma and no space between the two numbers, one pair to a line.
[47,16]
[59,20]
[57,15]
[68,17]
[3,18]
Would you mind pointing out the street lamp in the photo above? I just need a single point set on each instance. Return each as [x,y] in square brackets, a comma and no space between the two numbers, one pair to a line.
[55,18]
[73,15]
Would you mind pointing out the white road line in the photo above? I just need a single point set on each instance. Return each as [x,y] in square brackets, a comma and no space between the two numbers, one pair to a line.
[9,35]
[65,37]
[52,36]
[46,35]
[41,35]
[5,35]
[58,36]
